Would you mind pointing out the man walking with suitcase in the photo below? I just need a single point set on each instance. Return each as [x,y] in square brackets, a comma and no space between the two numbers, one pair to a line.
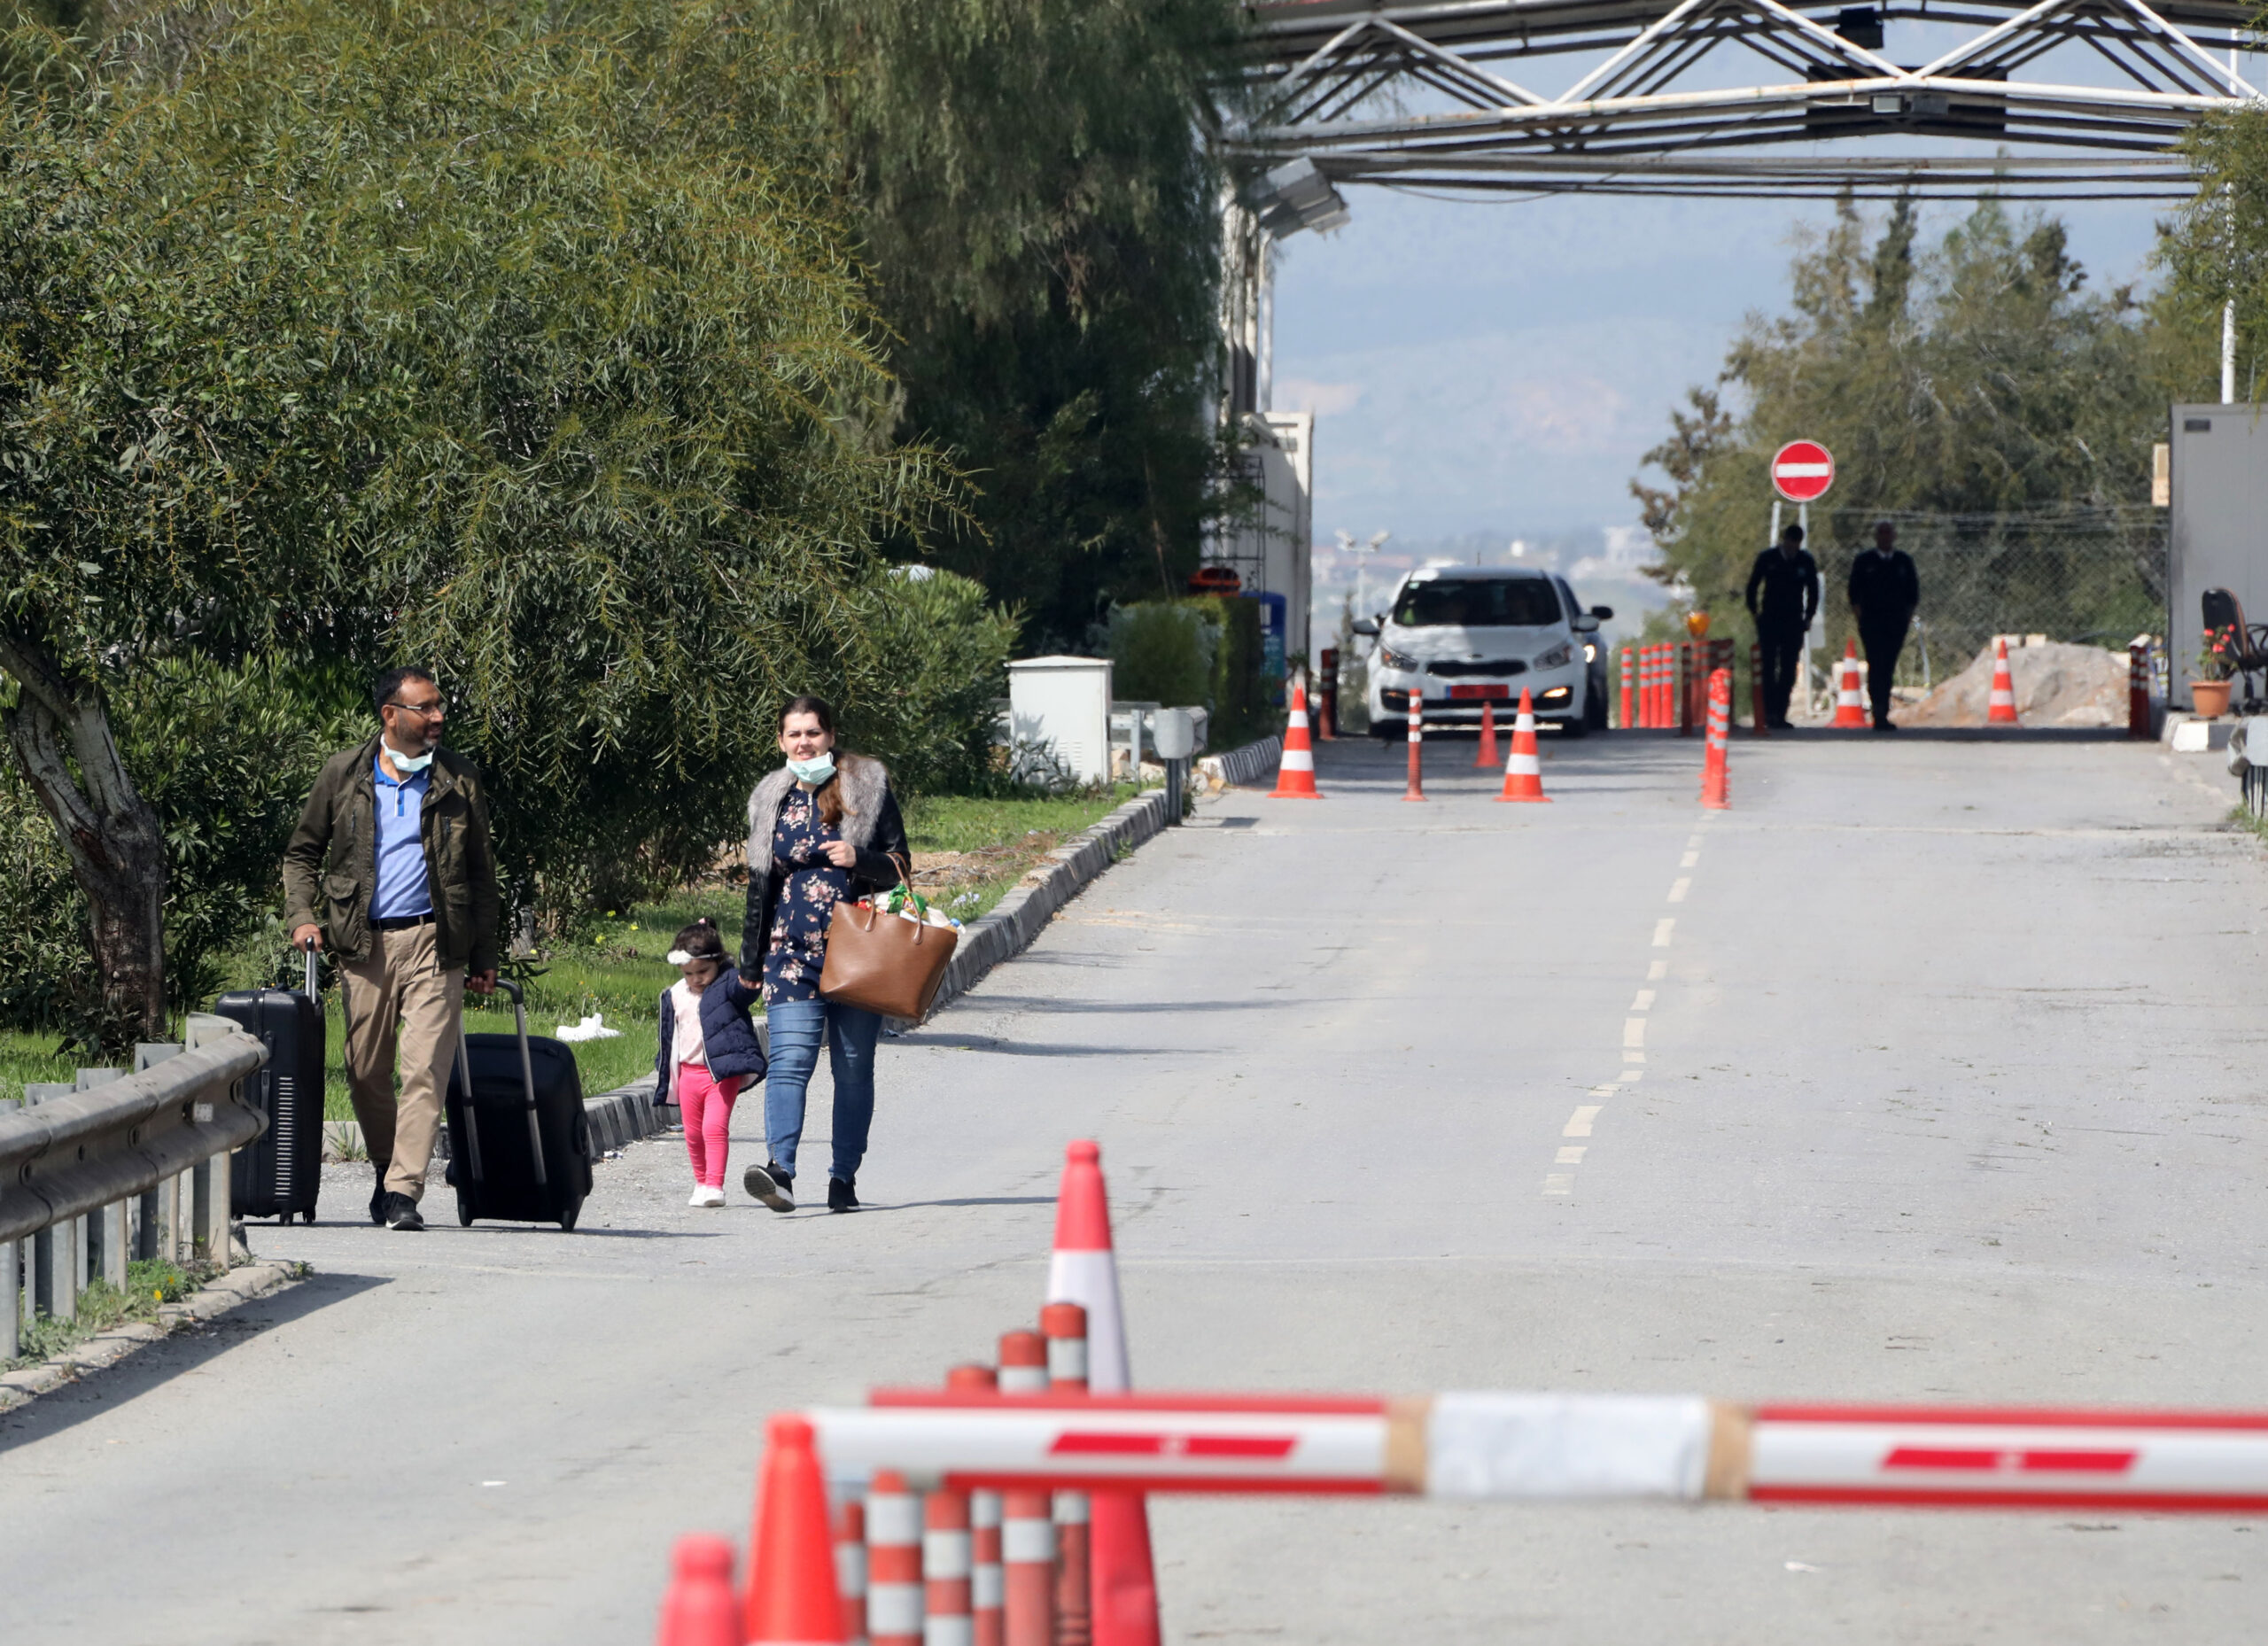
[390,868]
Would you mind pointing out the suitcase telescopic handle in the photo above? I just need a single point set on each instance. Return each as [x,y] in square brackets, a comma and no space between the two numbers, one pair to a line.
[311,991]
[512,987]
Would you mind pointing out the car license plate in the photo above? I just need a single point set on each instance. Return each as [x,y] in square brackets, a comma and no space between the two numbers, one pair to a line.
[1500,693]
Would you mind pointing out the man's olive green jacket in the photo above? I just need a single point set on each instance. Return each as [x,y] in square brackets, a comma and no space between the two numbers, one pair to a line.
[330,868]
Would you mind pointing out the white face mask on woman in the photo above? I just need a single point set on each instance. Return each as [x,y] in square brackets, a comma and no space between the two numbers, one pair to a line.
[814,771]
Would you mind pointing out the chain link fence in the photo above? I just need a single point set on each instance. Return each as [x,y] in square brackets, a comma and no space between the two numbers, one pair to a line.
[2092,576]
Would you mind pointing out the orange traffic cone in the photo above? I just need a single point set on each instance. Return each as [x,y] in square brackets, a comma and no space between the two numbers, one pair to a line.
[1524,767]
[1714,785]
[699,1610]
[1416,788]
[2003,709]
[1849,710]
[1084,1270]
[792,1595]
[1295,776]
[1487,754]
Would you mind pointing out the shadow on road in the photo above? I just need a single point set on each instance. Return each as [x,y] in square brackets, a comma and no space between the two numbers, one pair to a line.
[185,1351]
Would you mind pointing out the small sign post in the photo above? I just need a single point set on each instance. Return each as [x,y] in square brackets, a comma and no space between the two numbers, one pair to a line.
[1801,472]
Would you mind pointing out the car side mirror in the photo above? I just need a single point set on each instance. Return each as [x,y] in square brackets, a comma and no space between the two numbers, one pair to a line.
[1584,625]
[1367,629]
[1604,614]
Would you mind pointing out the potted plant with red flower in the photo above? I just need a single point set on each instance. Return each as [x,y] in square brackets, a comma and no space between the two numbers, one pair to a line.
[2209,693]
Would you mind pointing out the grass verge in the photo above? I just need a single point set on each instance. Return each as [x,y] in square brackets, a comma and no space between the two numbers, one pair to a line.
[104,1307]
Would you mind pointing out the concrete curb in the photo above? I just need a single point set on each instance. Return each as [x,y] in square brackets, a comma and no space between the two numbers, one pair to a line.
[215,1298]
[1021,916]
[1237,768]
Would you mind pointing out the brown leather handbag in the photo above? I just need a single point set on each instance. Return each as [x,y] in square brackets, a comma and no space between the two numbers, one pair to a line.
[884,962]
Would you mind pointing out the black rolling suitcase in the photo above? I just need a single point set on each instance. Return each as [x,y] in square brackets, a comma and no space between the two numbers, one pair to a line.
[279,1173]
[520,1146]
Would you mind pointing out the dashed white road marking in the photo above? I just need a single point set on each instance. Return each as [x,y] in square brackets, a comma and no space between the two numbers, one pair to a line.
[1658,970]
[1569,1155]
[1633,1032]
[1630,1075]
[1689,859]
[1693,842]
[1643,1001]
[1662,931]
[1678,888]
[1602,1092]
[1578,1123]
[1559,1182]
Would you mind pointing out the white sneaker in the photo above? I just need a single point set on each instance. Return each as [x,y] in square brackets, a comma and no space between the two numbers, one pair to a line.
[711,1195]
[700,1195]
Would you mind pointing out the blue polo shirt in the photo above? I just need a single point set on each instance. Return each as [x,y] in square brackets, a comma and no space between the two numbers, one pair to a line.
[400,888]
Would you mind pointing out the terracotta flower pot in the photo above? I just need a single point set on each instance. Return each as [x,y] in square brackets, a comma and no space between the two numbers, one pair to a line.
[2210,698]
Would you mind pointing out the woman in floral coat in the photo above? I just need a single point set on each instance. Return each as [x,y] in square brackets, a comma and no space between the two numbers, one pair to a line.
[823,828]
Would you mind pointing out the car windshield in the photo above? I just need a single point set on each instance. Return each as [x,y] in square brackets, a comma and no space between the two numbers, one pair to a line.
[1478,602]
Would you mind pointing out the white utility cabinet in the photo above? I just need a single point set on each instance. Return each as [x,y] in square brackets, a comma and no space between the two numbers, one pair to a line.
[1064,703]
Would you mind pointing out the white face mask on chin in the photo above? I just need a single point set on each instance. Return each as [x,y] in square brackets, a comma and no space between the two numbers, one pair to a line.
[408,765]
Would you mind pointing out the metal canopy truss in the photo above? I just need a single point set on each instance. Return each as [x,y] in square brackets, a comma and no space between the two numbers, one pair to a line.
[1419,95]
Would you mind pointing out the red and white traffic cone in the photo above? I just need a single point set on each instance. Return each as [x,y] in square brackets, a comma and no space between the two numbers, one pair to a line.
[893,1562]
[793,1599]
[1486,754]
[945,1588]
[1028,1563]
[1715,791]
[1084,1270]
[1524,767]
[1295,774]
[700,1609]
[2002,710]
[1417,789]
[1065,1325]
[1850,711]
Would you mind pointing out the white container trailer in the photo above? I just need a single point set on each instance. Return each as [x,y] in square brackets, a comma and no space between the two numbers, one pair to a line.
[1063,703]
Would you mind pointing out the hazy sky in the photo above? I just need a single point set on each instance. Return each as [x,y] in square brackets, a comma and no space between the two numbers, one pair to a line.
[1501,367]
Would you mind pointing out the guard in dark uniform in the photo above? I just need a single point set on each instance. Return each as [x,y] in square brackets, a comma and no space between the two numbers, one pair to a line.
[1885,589]
[1782,596]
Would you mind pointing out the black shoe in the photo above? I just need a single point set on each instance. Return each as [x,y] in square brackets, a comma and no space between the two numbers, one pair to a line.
[841,1195]
[378,1199]
[1885,725]
[768,1183]
[402,1213]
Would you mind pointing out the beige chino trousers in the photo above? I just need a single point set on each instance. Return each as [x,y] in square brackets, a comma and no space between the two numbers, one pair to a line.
[396,1000]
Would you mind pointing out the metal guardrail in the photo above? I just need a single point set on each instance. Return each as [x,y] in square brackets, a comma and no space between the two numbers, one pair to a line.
[134,1166]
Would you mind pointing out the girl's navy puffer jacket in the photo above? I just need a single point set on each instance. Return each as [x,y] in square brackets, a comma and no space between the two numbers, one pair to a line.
[728,1033]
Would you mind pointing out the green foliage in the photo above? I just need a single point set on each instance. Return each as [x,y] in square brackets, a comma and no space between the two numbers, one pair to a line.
[1975,378]
[520,340]
[927,712]
[1238,693]
[1161,652]
[1033,195]
[2216,248]
[102,1308]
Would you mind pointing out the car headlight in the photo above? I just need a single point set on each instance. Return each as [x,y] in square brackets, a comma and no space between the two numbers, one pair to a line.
[1396,660]
[1558,657]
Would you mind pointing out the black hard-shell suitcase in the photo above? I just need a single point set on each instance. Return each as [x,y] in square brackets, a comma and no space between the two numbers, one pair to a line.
[520,1150]
[279,1173]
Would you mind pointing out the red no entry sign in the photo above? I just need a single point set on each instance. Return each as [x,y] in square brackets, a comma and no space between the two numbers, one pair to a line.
[1802,471]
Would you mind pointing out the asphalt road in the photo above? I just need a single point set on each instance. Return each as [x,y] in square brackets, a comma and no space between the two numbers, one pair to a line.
[1947,1091]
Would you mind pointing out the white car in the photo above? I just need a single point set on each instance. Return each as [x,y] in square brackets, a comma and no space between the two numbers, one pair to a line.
[1466,635]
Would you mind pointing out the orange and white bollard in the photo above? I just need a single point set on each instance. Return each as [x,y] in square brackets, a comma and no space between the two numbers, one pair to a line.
[1715,793]
[947,1620]
[2137,687]
[1028,1566]
[1066,1326]
[1850,711]
[983,1525]
[1023,1363]
[1524,767]
[850,1567]
[1486,754]
[1417,789]
[1756,708]
[894,1600]
[1627,722]
[2002,710]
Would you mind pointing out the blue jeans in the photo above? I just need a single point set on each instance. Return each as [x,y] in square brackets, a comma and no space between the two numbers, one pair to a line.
[797,1027]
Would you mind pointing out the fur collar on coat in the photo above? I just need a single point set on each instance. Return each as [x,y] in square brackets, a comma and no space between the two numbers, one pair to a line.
[865,781]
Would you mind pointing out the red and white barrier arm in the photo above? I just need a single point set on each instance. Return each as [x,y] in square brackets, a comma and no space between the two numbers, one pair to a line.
[1509,1447]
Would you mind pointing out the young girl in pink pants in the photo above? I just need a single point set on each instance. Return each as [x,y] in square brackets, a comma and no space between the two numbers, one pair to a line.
[708,1050]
